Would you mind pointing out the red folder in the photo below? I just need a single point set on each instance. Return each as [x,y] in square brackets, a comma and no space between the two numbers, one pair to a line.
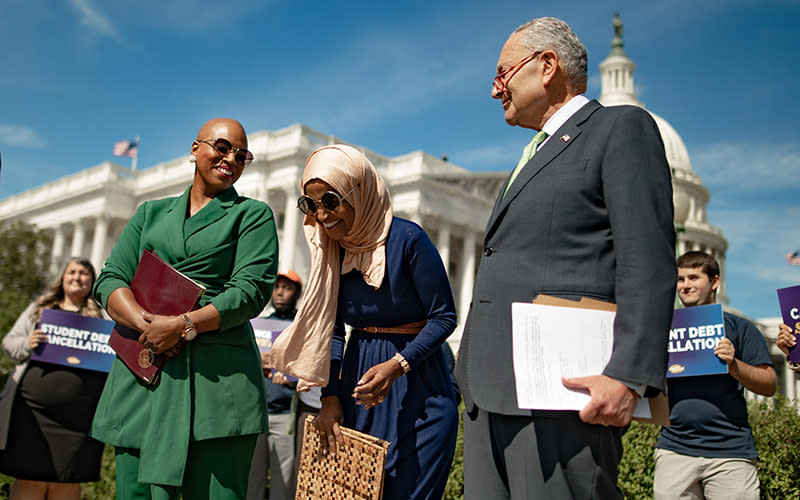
[160,289]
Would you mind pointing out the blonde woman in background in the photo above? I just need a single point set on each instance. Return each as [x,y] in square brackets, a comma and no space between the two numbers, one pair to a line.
[46,409]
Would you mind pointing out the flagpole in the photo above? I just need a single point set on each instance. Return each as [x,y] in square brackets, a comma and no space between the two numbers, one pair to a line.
[136,157]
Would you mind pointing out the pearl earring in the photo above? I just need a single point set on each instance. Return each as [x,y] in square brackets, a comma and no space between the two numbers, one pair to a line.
[192,158]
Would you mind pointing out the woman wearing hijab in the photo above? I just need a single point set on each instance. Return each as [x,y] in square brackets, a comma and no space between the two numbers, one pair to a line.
[193,432]
[46,409]
[382,276]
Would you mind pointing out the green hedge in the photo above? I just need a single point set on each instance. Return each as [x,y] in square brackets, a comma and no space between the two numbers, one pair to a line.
[776,429]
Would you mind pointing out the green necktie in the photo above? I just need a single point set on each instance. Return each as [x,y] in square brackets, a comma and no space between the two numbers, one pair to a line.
[527,154]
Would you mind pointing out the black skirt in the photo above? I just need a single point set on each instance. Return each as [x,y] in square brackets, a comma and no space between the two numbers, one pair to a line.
[48,438]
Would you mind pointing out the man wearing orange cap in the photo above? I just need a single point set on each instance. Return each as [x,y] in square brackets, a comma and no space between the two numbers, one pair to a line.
[285,295]
[276,451]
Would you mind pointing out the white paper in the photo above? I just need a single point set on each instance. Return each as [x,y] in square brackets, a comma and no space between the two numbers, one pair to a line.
[551,342]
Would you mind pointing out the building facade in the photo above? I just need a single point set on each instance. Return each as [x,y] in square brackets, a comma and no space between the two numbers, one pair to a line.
[86,212]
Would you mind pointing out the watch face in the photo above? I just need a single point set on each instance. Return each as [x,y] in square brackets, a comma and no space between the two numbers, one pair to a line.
[189,334]
[190,331]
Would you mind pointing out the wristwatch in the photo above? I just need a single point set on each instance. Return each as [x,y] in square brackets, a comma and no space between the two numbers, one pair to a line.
[189,332]
[403,363]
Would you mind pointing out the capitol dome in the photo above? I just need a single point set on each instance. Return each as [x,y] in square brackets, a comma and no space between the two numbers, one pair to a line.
[617,89]
[690,197]
[677,156]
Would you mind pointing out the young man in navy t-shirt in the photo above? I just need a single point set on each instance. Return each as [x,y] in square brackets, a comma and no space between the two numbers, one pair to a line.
[708,452]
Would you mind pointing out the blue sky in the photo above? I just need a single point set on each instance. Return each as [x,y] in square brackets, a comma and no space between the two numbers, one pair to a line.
[79,75]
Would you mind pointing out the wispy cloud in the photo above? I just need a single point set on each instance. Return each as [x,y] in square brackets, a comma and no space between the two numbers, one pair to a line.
[758,239]
[748,183]
[749,167]
[377,76]
[190,17]
[94,20]
[20,136]
[20,169]
[496,156]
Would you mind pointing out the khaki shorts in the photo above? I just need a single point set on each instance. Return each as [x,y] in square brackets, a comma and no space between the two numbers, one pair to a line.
[697,478]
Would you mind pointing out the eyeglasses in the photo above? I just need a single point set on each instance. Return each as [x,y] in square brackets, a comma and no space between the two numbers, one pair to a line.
[330,200]
[223,147]
[499,86]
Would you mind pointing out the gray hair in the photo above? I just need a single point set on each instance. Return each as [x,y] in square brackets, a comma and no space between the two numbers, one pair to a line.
[549,33]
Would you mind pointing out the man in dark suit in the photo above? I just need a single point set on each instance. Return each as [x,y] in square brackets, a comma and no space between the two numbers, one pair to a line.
[589,215]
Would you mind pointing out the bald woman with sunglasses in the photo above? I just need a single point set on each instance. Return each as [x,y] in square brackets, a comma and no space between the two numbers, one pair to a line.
[381,275]
[193,432]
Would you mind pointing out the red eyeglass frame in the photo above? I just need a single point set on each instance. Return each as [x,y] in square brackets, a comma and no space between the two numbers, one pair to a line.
[499,86]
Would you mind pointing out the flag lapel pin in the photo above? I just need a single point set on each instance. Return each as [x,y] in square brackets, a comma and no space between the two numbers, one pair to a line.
[565,137]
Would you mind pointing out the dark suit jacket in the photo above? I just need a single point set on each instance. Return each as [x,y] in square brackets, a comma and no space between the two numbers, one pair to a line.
[589,215]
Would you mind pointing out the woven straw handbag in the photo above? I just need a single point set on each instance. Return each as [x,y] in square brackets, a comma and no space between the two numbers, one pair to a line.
[354,472]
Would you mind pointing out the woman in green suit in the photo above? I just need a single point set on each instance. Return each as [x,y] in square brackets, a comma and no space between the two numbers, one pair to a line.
[193,432]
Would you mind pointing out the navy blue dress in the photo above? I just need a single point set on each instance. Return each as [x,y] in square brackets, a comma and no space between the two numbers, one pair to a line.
[419,416]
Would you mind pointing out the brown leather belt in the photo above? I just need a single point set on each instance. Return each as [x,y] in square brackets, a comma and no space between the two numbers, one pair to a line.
[407,329]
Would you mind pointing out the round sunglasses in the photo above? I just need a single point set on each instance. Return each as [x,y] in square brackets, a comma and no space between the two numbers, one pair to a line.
[223,147]
[330,200]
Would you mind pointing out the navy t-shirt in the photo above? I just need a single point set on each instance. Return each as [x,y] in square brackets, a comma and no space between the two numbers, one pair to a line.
[708,414]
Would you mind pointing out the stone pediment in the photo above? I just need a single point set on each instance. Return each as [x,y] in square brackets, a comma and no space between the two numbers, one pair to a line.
[484,185]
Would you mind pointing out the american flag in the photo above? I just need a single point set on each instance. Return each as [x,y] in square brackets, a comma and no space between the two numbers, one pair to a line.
[126,148]
[793,258]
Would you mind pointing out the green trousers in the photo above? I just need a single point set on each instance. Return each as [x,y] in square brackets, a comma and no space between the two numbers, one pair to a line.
[216,469]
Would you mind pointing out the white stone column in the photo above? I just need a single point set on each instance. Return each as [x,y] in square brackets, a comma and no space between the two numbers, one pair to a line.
[99,251]
[467,275]
[263,189]
[789,382]
[795,383]
[291,224]
[443,244]
[58,249]
[681,246]
[78,238]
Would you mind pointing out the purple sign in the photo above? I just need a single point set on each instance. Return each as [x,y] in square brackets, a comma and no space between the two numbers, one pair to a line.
[789,300]
[693,335]
[266,331]
[75,340]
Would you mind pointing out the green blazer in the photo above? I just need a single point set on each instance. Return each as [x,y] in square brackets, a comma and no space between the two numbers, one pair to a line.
[214,387]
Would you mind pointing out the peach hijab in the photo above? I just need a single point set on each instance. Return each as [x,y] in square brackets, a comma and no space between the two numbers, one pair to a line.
[304,348]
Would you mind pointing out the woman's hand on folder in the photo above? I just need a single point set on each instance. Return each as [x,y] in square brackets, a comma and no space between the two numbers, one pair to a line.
[123,308]
[162,334]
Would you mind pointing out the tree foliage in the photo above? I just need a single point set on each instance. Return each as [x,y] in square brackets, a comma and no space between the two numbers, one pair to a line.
[24,261]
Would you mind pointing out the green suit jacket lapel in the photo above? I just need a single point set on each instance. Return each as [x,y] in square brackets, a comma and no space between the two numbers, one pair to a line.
[175,219]
[216,209]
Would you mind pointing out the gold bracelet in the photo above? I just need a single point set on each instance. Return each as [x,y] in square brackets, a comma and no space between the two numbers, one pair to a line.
[403,363]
